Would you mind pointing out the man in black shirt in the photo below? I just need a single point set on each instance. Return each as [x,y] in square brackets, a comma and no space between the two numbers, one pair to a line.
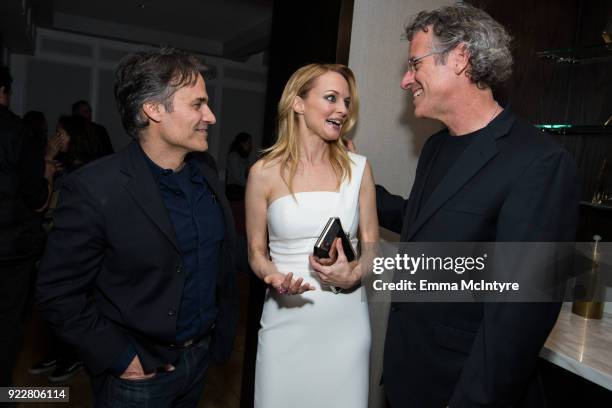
[487,177]
[138,272]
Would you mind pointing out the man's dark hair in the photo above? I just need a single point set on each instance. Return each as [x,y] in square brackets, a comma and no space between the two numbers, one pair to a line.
[6,80]
[78,104]
[151,76]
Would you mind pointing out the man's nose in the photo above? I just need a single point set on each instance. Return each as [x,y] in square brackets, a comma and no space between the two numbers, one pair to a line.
[407,80]
[209,116]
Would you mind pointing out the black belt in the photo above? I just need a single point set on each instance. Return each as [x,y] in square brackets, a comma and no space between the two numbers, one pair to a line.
[194,340]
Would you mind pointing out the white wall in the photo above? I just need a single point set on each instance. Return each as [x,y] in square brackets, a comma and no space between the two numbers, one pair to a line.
[387,132]
[67,67]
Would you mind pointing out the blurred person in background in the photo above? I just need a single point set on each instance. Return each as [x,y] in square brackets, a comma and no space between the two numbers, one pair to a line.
[237,166]
[83,109]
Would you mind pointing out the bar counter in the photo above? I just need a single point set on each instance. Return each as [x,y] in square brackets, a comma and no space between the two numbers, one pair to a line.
[582,346]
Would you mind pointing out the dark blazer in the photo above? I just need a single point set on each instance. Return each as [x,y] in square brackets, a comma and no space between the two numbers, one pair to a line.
[112,271]
[513,184]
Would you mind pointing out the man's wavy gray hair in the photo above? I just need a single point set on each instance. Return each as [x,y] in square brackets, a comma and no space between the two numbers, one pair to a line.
[486,41]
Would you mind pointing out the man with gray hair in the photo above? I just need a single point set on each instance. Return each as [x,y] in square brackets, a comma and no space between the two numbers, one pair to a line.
[488,176]
[138,273]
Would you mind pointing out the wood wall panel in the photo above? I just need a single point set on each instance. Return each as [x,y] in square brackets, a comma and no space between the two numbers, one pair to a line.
[540,90]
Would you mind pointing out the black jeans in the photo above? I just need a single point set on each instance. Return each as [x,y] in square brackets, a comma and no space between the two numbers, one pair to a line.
[15,284]
[179,388]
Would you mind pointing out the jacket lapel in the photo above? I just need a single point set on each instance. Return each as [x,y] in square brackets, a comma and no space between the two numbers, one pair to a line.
[142,188]
[417,189]
[482,149]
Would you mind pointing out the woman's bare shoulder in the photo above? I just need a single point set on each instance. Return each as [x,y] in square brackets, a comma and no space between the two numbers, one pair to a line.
[264,171]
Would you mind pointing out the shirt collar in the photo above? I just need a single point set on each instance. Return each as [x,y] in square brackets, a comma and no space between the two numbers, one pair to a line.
[159,172]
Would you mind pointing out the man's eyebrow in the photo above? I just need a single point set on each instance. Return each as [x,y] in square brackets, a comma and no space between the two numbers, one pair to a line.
[202,99]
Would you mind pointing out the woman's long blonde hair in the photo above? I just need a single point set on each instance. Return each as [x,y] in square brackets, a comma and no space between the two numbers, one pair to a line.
[286,149]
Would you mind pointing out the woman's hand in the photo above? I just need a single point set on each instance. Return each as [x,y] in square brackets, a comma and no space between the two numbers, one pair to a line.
[285,285]
[342,274]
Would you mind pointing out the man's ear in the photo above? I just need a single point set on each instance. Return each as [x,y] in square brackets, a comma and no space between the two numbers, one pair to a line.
[153,111]
[461,59]
[298,105]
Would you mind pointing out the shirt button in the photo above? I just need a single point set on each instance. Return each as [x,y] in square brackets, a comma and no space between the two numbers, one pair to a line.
[394,308]
[171,312]
[179,269]
[178,192]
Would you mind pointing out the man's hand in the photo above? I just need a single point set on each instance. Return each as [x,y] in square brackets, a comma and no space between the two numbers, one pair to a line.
[135,372]
[349,145]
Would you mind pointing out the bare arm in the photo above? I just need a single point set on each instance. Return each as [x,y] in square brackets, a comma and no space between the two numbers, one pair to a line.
[368,223]
[256,202]
[368,219]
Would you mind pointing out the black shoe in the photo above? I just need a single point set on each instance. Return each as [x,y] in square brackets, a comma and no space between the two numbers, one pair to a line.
[43,366]
[65,370]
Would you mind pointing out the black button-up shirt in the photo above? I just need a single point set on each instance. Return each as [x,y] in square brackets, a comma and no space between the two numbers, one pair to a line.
[198,223]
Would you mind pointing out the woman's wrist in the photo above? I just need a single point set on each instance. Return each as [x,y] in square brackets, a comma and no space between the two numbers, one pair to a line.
[356,275]
[264,270]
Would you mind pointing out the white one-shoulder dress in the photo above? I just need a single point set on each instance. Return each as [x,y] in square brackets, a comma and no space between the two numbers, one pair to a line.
[313,349]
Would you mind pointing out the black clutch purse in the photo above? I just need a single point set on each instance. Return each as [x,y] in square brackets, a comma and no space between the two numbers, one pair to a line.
[333,229]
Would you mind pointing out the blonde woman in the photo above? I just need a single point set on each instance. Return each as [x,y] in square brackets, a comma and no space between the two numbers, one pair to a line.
[314,343]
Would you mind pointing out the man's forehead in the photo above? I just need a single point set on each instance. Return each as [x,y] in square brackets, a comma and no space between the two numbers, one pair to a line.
[420,48]
[196,89]
[420,39]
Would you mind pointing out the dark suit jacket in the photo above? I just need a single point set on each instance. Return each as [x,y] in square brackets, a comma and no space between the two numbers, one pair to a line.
[514,184]
[112,272]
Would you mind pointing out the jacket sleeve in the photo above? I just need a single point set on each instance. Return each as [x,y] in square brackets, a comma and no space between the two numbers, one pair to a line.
[67,276]
[391,209]
[542,207]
